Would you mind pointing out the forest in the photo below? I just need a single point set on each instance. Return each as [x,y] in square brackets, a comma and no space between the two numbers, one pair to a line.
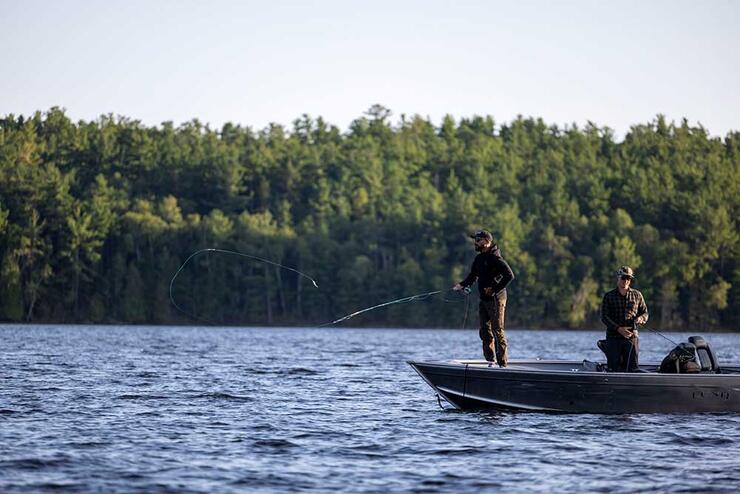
[97,216]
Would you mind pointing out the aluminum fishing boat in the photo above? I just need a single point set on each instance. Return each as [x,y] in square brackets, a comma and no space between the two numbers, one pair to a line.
[583,387]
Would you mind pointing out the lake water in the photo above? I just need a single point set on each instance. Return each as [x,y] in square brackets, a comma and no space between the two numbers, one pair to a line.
[205,409]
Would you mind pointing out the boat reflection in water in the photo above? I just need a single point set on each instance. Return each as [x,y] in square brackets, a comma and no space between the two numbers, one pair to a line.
[585,386]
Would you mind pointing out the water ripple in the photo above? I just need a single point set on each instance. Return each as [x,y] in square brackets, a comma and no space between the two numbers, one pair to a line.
[187,409]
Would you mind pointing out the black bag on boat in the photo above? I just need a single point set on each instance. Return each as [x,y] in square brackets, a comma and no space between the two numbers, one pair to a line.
[680,360]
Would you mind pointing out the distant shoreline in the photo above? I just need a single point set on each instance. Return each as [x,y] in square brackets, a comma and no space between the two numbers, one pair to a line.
[643,331]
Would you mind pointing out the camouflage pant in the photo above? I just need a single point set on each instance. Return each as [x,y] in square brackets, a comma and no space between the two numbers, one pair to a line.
[491,313]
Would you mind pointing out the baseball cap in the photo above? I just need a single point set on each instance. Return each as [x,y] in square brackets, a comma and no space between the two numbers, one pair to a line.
[482,234]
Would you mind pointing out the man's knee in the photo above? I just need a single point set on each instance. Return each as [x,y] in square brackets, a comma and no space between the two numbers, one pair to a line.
[500,316]
[631,350]
[485,333]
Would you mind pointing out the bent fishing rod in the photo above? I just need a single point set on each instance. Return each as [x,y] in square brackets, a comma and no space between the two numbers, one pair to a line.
[403,300]
[411,298]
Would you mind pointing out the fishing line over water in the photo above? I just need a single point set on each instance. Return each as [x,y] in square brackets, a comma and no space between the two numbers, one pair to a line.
[403,300]
[231,252]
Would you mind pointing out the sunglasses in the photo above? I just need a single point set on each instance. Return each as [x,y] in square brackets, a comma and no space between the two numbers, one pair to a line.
[624,277]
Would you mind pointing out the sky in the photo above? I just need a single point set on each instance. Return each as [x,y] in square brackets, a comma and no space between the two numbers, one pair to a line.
[613,63]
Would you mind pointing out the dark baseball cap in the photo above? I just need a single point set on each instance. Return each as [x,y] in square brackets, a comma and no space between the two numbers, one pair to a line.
[482,234]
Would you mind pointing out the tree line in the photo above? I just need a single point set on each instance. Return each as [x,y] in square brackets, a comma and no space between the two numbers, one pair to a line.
[97,216]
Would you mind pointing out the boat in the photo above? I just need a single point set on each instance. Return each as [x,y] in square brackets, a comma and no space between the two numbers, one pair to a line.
[564,386]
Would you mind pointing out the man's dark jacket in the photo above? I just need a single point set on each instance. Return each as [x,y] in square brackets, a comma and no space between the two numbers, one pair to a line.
[490,269]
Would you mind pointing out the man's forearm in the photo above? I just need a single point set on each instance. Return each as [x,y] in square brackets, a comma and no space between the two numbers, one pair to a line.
[642,318]
[469,280]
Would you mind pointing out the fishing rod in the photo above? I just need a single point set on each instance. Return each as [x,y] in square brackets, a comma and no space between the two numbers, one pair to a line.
[231,252]
[411,298]
[661,335]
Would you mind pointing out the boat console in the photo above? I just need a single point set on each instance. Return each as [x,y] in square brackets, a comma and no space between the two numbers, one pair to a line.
[689,358]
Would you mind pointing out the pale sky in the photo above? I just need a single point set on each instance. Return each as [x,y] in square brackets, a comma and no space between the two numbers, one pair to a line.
[614,63]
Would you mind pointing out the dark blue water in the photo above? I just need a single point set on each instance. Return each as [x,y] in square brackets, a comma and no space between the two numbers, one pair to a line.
[187,409]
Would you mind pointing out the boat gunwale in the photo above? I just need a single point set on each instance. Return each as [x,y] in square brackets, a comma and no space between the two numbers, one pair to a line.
[482,366]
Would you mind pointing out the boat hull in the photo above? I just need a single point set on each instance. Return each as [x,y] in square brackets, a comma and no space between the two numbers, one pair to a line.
[576,387]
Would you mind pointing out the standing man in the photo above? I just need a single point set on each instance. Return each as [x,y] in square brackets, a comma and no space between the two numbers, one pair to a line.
[493,275]
[621,311]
